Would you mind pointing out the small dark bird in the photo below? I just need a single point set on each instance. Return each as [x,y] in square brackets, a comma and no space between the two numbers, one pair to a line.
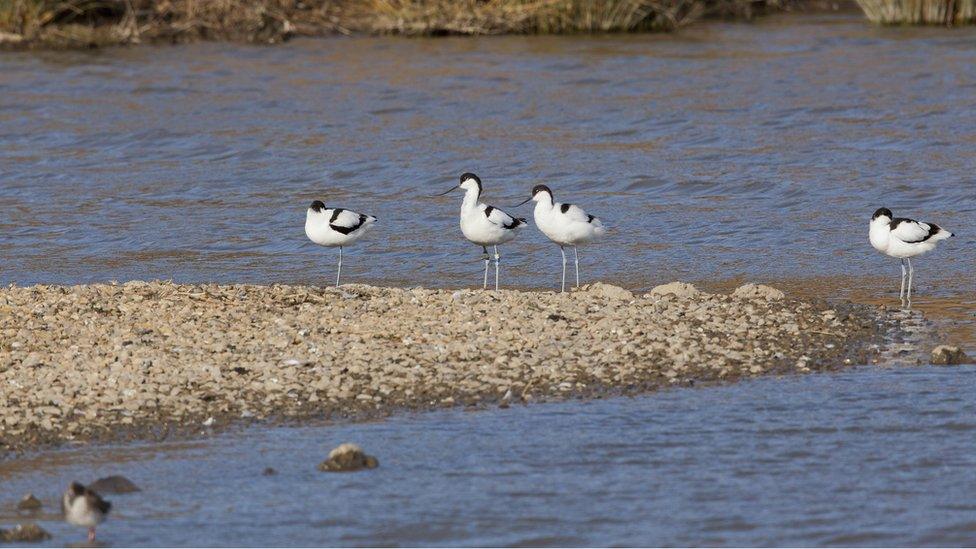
[83,507]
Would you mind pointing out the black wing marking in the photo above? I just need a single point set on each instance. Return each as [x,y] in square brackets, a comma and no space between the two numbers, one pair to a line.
[911,231]
[100,504]
[502,218]
[565,207]
[590,218]
[347,230]
[515,223]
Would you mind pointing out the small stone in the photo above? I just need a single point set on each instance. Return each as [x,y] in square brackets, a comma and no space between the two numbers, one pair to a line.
[115,484]
[29,503]
[946,355]
[24,533]
[269,472]
[348,457]
[678,289]
[758,291]
[609,291]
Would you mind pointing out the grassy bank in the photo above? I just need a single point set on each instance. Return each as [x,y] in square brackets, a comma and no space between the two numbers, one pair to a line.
[93,23]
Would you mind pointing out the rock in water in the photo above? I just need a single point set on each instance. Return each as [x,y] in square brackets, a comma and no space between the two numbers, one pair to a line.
[758,291]
[348,457]
[24,533]
[949,355]
[29,503]
[269,472]
[115,484]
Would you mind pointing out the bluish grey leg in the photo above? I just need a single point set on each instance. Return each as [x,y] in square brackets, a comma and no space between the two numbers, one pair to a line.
[563,287]
[339,271]
[911,280]
[904,275]
[497,257]
[576,251]
[487,259]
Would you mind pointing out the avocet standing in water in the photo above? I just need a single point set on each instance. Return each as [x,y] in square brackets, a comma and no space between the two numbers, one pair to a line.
[335,227]
[564,224]
[482,224]
[83,507]
[904,238]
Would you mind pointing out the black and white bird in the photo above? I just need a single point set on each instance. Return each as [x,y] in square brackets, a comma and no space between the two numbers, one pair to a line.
[904,238]
[83,507]
[482,224]
[564,224]
[335,227]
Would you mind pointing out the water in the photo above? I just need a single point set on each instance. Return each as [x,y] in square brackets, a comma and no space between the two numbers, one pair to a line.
[755,151]
[874,457]
[721,153]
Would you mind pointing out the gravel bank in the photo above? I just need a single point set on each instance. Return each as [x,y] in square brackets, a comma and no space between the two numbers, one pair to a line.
[146,359]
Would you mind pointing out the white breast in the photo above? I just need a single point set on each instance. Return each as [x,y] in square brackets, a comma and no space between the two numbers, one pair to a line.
[77,511]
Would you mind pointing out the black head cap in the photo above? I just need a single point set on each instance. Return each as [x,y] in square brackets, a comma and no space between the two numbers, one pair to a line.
[468,175]
[881,212]
[317,206]
[76,488]
[539,189]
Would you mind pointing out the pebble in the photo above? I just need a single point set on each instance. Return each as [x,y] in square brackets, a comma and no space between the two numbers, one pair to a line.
[946,355]
[29,503]
[115,484]
[78,362]
[24,533]
[348,457]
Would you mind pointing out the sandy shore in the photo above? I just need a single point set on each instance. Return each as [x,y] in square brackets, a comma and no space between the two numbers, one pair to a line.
[145,359]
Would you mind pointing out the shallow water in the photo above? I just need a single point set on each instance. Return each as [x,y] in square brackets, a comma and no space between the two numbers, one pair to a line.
[723,151]
[867,457]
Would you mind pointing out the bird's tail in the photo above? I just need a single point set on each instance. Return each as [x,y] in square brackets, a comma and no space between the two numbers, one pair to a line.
[942,234]
[598,228]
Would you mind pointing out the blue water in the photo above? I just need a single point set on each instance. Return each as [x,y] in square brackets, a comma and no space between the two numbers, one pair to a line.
[870,457]
[726,150]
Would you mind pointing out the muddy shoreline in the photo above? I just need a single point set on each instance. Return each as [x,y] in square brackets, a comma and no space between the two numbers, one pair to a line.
[157,360]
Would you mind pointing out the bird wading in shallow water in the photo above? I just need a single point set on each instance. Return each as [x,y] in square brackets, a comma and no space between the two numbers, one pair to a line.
[482,224]
[904,238]
[83,507]
[333,227]
[564,224]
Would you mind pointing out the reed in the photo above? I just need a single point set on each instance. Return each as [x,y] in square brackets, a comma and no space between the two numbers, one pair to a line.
[73,23]
[434,17]
[920,12]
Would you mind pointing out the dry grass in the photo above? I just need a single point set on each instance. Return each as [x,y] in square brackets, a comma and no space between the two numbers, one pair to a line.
[920,12]
[74,23]
[433,17]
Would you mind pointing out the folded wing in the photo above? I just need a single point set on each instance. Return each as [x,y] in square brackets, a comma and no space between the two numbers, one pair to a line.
[573,212]
[501,218]
[346,221]
[911,231]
